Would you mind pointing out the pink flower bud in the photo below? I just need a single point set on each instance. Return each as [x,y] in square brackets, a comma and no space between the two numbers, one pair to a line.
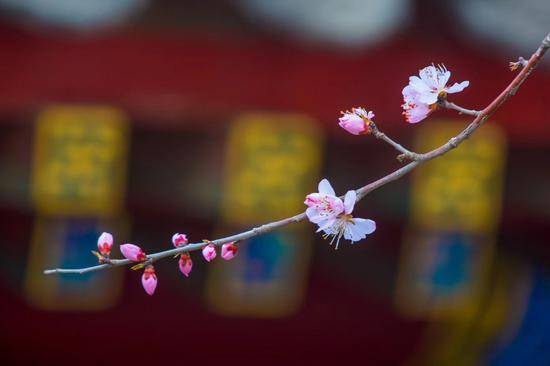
[229,251]
[105,243]
[185,264]
[209,252]
[353,124]
[179,239]
[132,252]
[149,280]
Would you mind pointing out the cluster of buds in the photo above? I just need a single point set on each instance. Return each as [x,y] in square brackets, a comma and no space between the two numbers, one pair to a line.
[229,251]
[149,278]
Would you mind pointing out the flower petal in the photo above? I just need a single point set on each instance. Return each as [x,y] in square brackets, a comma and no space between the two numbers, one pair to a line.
[458,87]
[428,97]
[326,188]
[431,75]
[359,229]
[366,225]
[418,84]
[349,201]
[443,78]
[326,225]
[417,113]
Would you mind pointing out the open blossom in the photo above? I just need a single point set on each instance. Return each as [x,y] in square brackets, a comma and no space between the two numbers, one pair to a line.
[356,122]
[209,252]
[351,228]
[229,251]
[186,264]
[324,204]
[105,243]
[422,93]
[179,240]
[132,252]
[149,280]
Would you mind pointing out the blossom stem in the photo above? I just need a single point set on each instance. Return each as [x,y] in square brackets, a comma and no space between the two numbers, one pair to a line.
[459,109]
[480,118]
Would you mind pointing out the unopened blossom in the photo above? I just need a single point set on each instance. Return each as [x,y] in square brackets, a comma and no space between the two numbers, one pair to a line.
[347,226]
[209,252]
[423,92]
[356,122]
[324,204]
[186,264]
[132,252]
[104,244]
[229,251]
[179,240]
[149,280]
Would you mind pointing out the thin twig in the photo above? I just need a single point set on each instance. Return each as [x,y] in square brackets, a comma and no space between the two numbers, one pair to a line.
[405,153]
[459,109]
[480,118]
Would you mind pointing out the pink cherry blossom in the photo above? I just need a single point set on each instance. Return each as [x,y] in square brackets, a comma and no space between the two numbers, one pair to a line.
[149,280]
[209,252]
[132,252]
[105,243]
[186,264]
[347,226]
[422,93]
[323,205]
[357,121]
[179,240]
[229,251]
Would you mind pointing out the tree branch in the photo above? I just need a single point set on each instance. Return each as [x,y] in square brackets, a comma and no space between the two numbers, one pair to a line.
[480,118]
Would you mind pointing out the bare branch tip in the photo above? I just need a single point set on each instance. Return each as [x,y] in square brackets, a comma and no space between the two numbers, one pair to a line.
[521,62]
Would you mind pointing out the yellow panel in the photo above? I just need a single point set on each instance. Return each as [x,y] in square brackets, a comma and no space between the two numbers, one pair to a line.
[455,212]
[80,161]
[270,163]
[273,161]
[461,190]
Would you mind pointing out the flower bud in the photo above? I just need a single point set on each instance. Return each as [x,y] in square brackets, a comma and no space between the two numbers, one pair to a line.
[209,252]
[185,264]
[352,123]
[149,280]
[105,243]
[132,252]
[229,251]
[179,240]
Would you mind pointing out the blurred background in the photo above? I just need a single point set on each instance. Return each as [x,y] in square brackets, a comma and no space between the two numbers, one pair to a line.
[149,117]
